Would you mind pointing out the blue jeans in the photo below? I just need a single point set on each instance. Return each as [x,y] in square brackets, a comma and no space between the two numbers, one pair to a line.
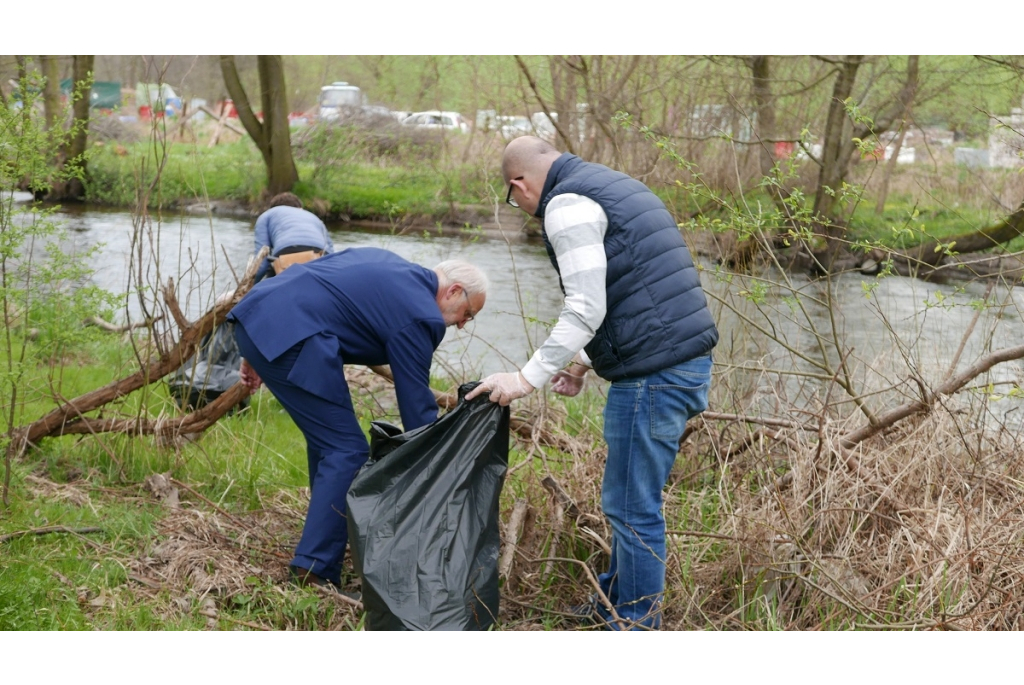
[335,449]
[644,420]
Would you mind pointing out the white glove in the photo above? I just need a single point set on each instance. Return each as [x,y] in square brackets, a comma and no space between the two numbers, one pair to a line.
[564,383]
[504,387]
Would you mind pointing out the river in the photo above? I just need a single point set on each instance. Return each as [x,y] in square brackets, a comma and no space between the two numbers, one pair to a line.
[903,327]
[202,254]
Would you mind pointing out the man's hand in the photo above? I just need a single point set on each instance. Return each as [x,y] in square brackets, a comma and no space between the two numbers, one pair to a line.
[565,383]
[503,388]
[249,377]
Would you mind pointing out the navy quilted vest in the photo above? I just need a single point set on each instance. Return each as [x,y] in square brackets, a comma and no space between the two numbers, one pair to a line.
[657,314]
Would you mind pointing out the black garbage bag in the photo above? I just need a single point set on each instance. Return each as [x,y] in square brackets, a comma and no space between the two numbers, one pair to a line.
[212,370]
[423,520]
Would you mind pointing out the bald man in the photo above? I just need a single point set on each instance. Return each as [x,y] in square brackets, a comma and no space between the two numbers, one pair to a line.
[635,313]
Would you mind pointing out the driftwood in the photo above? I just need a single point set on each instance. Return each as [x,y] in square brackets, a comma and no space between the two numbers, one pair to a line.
[513,532]
[222,123]
[114,328]
[70,416]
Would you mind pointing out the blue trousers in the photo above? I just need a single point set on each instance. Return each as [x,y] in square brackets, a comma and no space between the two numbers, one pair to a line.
[335,448]
[644,420]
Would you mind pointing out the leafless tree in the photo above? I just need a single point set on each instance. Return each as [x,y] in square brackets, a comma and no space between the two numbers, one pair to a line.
[271,135]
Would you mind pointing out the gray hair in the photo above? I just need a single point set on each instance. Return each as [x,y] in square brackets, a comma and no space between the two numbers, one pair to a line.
[472,279]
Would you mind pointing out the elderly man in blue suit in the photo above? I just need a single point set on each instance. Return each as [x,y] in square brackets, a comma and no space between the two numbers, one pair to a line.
[360,306]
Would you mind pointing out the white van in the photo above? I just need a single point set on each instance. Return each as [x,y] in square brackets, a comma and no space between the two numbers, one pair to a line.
[339,99]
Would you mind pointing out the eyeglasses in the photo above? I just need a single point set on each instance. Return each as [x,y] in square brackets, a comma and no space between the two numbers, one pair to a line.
[508,198]
[469,314]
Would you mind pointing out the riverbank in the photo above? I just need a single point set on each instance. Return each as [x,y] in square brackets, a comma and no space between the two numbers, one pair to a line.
[500,222]
[229,180]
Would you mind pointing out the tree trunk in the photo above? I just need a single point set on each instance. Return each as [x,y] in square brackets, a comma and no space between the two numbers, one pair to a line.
[82,84]
[890,168]
[26,114]
[283,176]
[51,91]
[272,135]
[837,148]
[932,252]
[904,101]
[764,104]
[70,185]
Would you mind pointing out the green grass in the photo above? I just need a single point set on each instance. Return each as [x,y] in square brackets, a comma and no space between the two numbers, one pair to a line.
[249,467]
[188,173]
[358,188]
[905,222]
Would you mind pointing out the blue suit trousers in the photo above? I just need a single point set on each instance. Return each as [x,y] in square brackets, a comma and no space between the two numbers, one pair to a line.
[335,448]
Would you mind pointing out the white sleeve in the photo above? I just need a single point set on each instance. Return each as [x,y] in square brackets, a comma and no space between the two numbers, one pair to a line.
[575,226]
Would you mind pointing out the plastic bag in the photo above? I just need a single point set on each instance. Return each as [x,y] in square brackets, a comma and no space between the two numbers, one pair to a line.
[211,371]
[423,520]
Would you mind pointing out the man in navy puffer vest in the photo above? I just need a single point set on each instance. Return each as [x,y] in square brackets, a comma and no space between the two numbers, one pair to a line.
[636,314]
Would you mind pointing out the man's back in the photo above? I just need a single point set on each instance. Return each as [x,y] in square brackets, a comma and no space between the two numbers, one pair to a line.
[359,306]
[283,227]
[363,296]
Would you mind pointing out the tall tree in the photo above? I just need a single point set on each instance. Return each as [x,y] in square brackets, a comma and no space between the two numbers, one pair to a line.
[72,162]
[849,120]
[842,131]
[82,83]
[271,135]
[51,90]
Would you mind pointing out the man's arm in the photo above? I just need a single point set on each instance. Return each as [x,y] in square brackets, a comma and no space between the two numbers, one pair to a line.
[410,353]
[576,227]
[328,243]
[261,238]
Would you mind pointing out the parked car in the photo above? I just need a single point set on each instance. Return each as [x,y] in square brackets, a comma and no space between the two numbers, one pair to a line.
[438,121]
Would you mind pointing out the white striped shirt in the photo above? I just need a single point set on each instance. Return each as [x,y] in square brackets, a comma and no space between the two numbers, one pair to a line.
[575,226]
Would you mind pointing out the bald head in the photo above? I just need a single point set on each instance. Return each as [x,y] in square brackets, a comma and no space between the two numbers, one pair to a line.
[527,156]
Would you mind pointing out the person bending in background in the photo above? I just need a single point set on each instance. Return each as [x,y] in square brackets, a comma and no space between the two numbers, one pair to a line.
[293,235]
[635,312]
[296,332]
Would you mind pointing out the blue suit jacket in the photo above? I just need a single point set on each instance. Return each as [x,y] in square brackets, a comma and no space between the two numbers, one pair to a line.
[359,306]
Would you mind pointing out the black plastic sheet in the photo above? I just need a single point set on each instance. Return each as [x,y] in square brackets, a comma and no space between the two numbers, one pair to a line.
[423,520]
[211,371]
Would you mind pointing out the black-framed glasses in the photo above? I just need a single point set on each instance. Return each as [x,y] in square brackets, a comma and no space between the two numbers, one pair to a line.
[508,198]
[469,314]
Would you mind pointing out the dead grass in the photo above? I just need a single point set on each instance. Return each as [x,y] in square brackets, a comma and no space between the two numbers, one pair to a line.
[782,534]
[769,527]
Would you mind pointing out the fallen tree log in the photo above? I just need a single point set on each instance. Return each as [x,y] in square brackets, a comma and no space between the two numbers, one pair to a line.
[924,404]
[933,252]
[70,416]
[164,427]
